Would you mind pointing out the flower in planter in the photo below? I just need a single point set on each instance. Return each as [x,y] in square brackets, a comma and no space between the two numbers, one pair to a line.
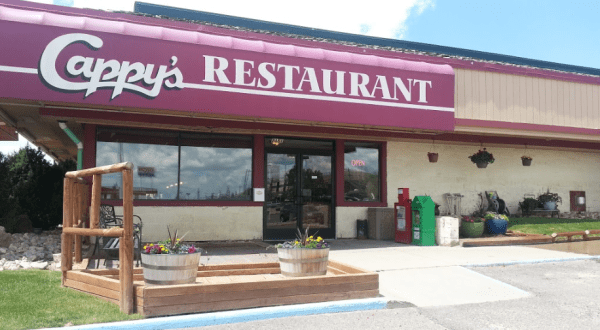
[172,245]
[482,156]
[304,241]
[468,218]
[494,215]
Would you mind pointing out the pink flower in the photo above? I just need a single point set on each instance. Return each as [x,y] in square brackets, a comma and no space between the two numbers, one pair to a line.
[192,249]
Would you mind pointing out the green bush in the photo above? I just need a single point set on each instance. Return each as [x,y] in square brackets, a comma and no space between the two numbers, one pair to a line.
[31,185]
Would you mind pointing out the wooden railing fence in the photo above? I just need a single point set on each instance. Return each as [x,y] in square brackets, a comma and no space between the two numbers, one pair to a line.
[81,211]
[73,206]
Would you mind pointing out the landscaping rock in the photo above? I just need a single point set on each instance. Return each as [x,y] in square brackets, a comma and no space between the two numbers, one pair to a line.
[28,251]
[39,265]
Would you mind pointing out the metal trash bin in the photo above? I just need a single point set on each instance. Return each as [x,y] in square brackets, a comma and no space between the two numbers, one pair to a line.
[362,229]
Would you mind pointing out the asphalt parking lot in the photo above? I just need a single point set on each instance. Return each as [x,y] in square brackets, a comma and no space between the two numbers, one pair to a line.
[563,295]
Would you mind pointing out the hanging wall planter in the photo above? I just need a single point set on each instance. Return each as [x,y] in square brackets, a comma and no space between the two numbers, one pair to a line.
[482,158]
[433,157]
[526,160]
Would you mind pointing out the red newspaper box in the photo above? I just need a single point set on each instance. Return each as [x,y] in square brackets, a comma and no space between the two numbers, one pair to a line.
[403,217]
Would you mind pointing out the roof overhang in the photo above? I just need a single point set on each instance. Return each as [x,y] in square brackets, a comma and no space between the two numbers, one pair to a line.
[88,61]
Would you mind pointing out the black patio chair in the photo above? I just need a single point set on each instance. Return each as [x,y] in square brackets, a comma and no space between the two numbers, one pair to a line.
[110,245]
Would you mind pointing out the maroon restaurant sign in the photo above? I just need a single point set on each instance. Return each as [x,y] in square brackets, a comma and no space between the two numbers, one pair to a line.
[51,60]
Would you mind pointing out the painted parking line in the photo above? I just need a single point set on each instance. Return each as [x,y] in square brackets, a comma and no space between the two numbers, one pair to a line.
[246,315]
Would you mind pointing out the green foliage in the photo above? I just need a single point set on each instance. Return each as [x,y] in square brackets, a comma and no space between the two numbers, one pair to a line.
[494,215]
[31,185]
[482,156]
[549,197]
[31,299]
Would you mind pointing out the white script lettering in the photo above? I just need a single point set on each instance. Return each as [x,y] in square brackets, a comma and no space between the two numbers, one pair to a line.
[104,74]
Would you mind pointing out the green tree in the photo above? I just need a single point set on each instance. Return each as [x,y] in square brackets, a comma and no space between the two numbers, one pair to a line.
[35,187]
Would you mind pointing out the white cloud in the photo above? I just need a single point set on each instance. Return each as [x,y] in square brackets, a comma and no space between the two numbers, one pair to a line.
[383,18]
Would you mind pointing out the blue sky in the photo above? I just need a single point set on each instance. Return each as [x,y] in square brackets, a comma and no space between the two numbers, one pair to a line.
[555,31]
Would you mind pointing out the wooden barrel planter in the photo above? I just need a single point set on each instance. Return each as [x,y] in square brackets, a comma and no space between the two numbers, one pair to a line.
[303,262]
[170,269]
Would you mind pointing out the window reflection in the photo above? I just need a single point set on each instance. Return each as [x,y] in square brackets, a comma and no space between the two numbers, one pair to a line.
[361,172]
[216,173]
[177,166]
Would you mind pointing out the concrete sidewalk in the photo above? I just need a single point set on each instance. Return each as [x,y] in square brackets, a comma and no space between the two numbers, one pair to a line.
[439,276]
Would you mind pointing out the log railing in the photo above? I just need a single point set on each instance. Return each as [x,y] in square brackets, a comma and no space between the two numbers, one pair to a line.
[585,235]
[72,223]
[81,208]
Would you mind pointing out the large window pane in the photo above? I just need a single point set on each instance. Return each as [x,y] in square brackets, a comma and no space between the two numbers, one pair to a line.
[220,170]
[361,172]
[155,169]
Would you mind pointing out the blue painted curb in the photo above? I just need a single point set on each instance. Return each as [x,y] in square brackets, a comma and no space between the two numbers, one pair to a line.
[535,261]
[246,315]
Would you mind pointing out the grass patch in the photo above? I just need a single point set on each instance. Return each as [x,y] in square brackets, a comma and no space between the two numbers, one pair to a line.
[32,299]
[547,226]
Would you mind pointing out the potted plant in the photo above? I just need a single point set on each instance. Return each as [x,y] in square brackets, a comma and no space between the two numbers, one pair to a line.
[549,200]
[306,256]
[495,223]
[482,158]
[433,157]
[170,262]
[526,160]
[471,226]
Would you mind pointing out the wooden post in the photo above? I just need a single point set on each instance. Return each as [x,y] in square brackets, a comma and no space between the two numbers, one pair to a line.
[78,217]
[126,245]
[95,208]
[67,242]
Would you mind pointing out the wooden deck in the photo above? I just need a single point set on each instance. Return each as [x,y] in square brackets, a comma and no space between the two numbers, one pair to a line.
[227,287]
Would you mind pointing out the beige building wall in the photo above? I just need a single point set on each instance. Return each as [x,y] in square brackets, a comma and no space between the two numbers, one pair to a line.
[492,96]
[561,171]
[408,167]
[206,223]
[346,220]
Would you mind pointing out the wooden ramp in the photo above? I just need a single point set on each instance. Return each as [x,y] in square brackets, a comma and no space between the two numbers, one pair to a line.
[228,287]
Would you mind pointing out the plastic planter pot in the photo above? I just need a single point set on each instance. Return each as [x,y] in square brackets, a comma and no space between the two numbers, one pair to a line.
[472,229]
[526,161]
[496,226]
[482,165]
[433,157]
[550,206]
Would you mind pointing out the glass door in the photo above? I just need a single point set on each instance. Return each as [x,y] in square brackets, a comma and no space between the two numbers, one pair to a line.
[299,194]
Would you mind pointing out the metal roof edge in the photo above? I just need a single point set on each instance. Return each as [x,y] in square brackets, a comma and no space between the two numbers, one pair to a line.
[261,26]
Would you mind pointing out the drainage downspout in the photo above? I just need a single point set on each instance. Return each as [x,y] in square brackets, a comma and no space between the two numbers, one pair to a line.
[64,127]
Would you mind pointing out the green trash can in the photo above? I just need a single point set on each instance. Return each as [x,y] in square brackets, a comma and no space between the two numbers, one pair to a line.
[423,221]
